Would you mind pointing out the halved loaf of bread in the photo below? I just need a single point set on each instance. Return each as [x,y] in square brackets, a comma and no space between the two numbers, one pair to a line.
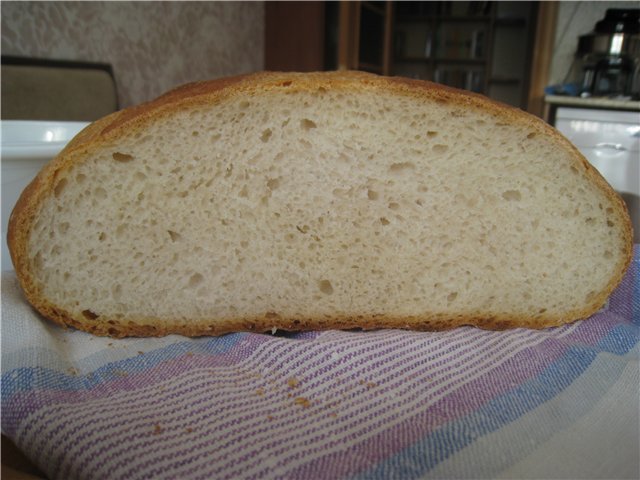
[315,201]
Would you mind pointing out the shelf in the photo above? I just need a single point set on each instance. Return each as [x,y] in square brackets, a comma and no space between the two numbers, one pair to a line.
[442,18]
[370,67]
[483,44]
[461,19]
[504,81]
[413,59]
[510,22]
[462,61]
[373,7]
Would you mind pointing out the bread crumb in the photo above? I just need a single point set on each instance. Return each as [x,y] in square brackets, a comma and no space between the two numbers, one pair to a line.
[157,429]
[260,392]
[188,429]
[303,402]
[293,382]
[368,384]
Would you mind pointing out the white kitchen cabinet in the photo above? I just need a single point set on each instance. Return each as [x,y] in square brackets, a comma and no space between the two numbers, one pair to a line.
[610,140]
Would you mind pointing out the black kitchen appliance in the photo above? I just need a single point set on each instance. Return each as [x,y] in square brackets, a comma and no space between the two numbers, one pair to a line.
[610,56]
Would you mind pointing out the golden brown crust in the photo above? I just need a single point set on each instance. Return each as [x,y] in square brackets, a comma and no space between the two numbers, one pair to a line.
[210,92]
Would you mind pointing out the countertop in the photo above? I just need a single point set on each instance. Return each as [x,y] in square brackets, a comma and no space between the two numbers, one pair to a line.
[595,102]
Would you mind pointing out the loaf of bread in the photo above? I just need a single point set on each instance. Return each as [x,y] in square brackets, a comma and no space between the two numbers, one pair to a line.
[316,201]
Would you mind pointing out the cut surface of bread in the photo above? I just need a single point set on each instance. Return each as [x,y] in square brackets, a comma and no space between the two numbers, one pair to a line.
[315,201]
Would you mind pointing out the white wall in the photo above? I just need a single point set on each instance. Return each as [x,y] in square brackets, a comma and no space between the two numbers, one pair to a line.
[152,46]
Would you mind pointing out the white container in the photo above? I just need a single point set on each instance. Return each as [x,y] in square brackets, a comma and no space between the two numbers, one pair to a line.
[27,146]
[609,139]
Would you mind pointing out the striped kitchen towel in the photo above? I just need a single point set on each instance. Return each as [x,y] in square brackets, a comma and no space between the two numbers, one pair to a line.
[466,403]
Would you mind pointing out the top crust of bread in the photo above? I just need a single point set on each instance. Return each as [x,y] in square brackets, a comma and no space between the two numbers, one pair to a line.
[105,133]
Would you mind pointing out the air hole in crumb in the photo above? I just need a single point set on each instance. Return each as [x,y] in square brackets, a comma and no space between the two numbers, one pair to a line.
[394,206]
[89,315]
[273,183]
[266,135]
[384,221]
[325,287]
[452,296]
[116,291]
[100,193]
[286,84]
[244,104]
[531,135]
[372,194]
[511,195]
[608,254]
[81,177]
[195,280]
[432,133]
[102,237]
[57,191]
[401,167]
[440,148]
[195,133]
[307,124]
[175,236]
[122,157]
